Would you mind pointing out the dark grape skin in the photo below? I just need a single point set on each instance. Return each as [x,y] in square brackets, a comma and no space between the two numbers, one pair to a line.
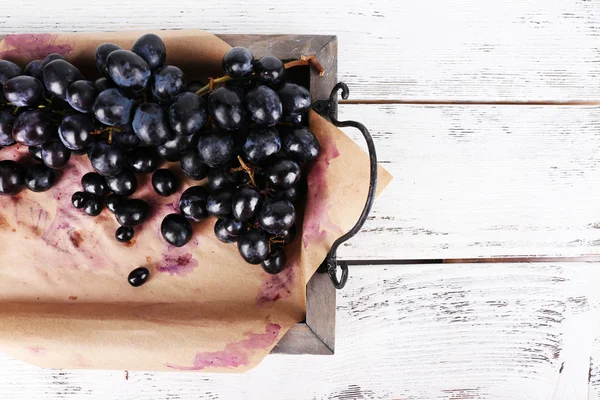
[75,131]
[112,107]
[219,203]
[173,149]
[262,145]
[227,230]
[269,70]
[104,83]
[48,59]
[263,106]
[7,120]
[300,144]
[221,178]
[113,201]
[216,149]
[58,76]
[292,194]
[168,153]
[287,235]
[8,70]
[24,91]
[107,160]
[167,83]
[132,212]
[124,184]
[55,154]
[152,49]
[35,152]
[188,114]
[126,139]
[150,124]
[238,62]
[144,160]
[79,198]
[11,177]
[124,234]
[128,70]
[102,53]
[81,95]
[193,166]
[253,246]
[95,184]
[295,99]
[138,276]
[33,128]
[34,68]
[284,173]
[277,215]
[226,108]
[164,182]
[275,262]
[246,203]
[93,206]
[192,203]
[176,230]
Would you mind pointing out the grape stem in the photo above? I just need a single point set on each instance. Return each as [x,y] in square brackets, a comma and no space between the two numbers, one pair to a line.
[248,170]
[110,131]
[304,60]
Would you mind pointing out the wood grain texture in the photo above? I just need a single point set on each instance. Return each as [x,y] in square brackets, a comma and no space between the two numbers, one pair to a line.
[427,50]
[488,331]
[482,181]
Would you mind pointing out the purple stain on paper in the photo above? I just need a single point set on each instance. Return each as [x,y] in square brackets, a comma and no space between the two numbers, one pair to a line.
[37,350]
[235,354]
[31,46]
[316,220]
[177,264]
[277,286]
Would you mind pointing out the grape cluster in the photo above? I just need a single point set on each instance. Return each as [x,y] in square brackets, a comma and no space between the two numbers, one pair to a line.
[243,132]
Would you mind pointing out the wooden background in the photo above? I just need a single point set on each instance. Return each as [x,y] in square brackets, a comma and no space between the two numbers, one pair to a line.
[488,114]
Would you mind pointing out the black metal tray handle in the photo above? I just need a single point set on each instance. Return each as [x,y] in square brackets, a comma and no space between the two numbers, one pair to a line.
[329,109]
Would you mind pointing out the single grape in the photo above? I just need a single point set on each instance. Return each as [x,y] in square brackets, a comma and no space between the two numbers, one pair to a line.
[132,212]
[176,230]
[227,230]
[151,125]
[8,70]
[48,59]
[284,173]
[59,75]
[128,70]
[34,68]
[269,70]
[246,203]
[79,198]
[300,144]
[143,160]
[102,53]
[93,206]
[219,203]
[221,178]
[277,215]
[241,86]
[112,107]
[11,177]
[167,83]
[263,106]
[262,145]
[138,276]
[95,184]
[33,128]
[238,62]
[124,234]
[81,95]
[216,150]
[292,194]
[55,154]
[173,149]
[164,182]
[192,203]
[124,184]
[35,152]
[226,108]
[24,91]
[193,165]
[107,160]
[253,245]
[7,119]
[75,131]
[287,235]
[275,262]
[126,139]
[152,49]
[104,83]
[294,98]
[113,201]
[187,114]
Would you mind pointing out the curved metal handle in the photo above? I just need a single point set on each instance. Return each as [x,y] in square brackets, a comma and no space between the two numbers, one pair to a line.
[331,262]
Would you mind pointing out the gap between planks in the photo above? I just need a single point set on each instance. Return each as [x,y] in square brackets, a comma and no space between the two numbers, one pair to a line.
[494,260]
[474,102]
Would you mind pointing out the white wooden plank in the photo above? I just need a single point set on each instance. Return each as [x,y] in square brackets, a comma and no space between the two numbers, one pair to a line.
[426,50]
[482,181]
[485,331]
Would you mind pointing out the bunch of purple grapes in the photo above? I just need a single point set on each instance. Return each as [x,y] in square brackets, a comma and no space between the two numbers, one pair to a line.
[246,136]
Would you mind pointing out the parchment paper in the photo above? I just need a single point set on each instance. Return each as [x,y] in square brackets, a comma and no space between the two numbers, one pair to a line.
[64,297]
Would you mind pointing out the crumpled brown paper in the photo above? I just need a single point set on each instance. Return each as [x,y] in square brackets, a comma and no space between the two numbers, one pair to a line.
[64,298]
